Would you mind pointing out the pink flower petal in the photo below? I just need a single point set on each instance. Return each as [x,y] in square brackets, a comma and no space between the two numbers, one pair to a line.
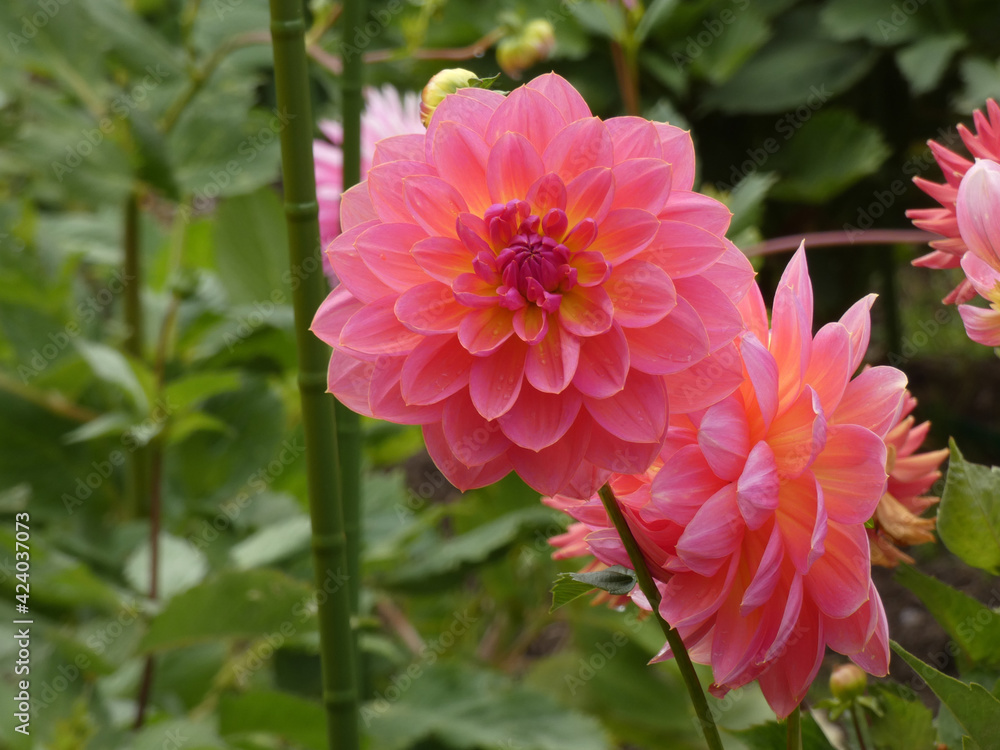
[762,371]
[689,207]
[625,233]
[352,271]
[387,250]
[689,599]
[838,581]
[851,470]
[637,413]
[848,635]
[513,168]
[356,207]
[724,438]
[829,364]
[473,111]
[591,268]
[732,273]
[375,330]
[579,146]
[590,195]
[483,331]
[433,204]
[713,534]
[551,469]
[722,319]
[407,147]
[985,278]
[758,486]
[472,440]
[706,382]
[802,519]
[977,210]
[531,324]
[537,420]
[460,475]
[678,150]
[874,658]
[551,363]
[547,192]
[437,368]
[461,157]
[642,294]
[798,434]
[765,579]
[981,325]
[642,183]
[386,398]
[684,249]
[607,451]
[333,314]
[586,311]
[683,485]
[603,364]
[634,138]
[529,113]
[786,682]
[442,258]
[558,90]
[385,188]
[872,400]
[857,321]
[430,308]
[349,380]
[495,381]
[473,291]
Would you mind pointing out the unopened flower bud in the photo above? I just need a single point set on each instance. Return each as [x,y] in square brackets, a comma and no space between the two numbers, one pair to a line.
[446,82]
[533,44]
[848,682]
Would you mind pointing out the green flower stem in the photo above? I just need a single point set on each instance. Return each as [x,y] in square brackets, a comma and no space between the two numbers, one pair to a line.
[349,423]
[795,729]
[648,587]
[329,544]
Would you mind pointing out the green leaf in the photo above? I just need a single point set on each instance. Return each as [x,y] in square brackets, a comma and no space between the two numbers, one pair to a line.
[881,22]
[925,61]
[251,249]
[273,543]
[616,580]
[151,157]
[180,565]
[294,719]
[658,12]
[742,33]
[903,723]
[746,201]
[234,604]
[189,390]
[969,514]
[454,557]
[113,367]
[827,154]
[469,709]
[975,708]
[178,733]
[982,81]
[973,627]
[773,735]
[601,18]
[113,423]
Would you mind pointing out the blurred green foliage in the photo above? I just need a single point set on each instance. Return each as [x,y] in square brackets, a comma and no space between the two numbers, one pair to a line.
[806,115]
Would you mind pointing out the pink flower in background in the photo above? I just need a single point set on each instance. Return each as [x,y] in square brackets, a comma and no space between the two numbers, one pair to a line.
[386,114]
[753,520]
[911,474]
[978,214]
[529,283]
[948,252]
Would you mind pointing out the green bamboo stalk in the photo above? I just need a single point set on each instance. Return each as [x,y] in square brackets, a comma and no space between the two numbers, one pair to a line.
[349,423]
[648,587]
[329,544]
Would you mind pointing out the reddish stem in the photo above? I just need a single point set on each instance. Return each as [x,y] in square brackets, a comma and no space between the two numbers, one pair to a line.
[830,239]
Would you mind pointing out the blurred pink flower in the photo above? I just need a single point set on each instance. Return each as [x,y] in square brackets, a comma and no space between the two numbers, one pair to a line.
[911,474]
[948,252]
[753,520]
[528,283]
[386,114]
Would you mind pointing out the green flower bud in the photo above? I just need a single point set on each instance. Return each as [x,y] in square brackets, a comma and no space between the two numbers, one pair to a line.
[531,45]
[446,82]
[848,681]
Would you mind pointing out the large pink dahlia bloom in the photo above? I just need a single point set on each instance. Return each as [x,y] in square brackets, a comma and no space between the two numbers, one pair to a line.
[948,252]
[387,113]
[529,283]
[978,211]
[753,520]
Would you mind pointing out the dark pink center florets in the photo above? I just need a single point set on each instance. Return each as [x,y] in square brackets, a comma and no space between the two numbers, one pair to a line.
[530,259]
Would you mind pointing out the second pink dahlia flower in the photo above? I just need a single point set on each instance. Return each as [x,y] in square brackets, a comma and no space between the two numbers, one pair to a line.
[753,520]
[529,283]
[948,252]
[978,209]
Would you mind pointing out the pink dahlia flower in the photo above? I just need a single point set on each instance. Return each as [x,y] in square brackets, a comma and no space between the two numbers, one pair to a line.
[386,114]
[753,520]
[978,209]
[948,252]
[911,474]
[528,283]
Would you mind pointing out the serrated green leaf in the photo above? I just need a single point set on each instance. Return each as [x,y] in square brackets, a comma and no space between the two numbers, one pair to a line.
[822,157]
[975,708]
[468,709]
[924,62]
[567,589]
[969,513]
[235,604]
[973,627]
[113,367]
[773,735]
[288,716]
[903,723]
